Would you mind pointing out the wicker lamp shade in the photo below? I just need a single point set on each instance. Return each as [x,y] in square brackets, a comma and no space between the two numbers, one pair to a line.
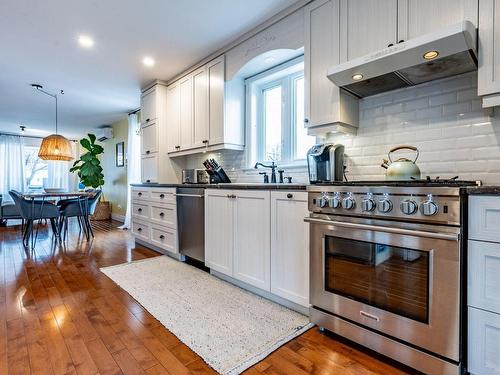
[55,147]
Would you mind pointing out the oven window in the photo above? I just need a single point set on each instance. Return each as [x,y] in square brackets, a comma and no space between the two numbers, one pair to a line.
[391,278]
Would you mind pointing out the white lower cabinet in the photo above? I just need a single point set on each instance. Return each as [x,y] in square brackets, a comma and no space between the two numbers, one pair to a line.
[252,248]
[154,217]
[260,238]
[219,230]
[484,342]
[290,246]
[483,285]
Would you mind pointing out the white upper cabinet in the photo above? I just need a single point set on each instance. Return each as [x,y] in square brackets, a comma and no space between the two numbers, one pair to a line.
[420,17]
[173,118]
[366,26]
[201,115]
[488,84]
[148,106]
[149,139]
[186,115]
[326,106]
[215,71]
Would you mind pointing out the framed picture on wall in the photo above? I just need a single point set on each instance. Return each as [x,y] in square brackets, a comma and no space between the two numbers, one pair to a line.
[120,154]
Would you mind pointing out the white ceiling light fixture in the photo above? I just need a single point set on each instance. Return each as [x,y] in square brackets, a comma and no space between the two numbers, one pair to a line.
[86,41]
[148,61]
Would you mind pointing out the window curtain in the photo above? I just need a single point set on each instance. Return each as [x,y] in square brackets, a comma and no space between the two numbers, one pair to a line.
[133,163]
[11,165]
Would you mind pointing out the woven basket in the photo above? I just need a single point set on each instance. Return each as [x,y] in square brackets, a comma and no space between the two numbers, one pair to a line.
[102,211]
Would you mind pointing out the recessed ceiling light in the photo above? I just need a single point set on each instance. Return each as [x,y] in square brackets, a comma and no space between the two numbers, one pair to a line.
[357,77]
[148,61]
[86,41]
[429,55]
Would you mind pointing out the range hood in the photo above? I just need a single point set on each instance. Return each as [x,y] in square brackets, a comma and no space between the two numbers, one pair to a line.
[444,53]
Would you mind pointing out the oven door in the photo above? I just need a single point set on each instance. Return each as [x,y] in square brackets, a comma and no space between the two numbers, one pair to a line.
[403,283]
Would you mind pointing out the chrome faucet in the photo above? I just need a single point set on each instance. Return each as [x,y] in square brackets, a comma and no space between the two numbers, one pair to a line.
[273,167]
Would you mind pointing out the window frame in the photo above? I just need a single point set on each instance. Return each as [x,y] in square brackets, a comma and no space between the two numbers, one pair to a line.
[284,75]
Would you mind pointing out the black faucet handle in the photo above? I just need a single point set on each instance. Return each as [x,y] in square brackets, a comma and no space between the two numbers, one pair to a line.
[289,179]
[266,177]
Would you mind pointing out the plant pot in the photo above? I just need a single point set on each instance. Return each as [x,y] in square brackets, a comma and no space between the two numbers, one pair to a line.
[102,211]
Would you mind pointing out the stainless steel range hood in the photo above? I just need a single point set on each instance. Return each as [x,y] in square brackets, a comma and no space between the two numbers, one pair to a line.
[411,62]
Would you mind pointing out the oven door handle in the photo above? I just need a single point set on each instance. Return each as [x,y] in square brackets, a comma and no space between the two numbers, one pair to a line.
[417,233]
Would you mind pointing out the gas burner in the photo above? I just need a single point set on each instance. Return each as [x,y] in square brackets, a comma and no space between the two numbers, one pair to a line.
[431,182]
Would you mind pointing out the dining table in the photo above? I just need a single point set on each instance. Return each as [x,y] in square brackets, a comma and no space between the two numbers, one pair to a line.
[52,198]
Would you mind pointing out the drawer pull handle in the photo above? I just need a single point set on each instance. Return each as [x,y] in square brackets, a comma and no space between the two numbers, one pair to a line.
[139,229]
[147,120]
[162,237]
[162,214]
[139,194]
[139,210]
[148,152]
[289,195]
[369,316]
[162,196]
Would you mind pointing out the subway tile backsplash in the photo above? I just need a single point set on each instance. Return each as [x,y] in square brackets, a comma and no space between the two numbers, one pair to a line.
[444,119]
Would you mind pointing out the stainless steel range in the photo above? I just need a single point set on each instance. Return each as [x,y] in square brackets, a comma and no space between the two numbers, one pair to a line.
[386,268]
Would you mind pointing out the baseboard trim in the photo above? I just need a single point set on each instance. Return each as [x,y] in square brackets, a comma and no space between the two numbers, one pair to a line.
[117,217]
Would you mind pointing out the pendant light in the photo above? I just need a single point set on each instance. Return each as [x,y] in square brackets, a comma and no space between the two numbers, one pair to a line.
[54,146]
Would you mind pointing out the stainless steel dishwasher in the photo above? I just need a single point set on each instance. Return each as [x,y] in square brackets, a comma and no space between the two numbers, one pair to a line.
[191,222]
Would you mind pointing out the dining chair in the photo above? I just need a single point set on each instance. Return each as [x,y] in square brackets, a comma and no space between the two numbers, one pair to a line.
[75,207]
[32,210]
[8,211]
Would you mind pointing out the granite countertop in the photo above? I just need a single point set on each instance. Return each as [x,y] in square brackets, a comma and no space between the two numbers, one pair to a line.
[484,190]
[234,185]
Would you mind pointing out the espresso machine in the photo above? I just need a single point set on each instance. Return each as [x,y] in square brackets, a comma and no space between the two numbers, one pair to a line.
[325,163]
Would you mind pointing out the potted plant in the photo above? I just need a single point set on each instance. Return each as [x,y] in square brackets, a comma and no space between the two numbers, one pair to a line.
[89,171]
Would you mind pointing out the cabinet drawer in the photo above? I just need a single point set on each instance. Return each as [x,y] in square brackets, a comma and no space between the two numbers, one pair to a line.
[140,194]
[165,238]
[163,195]
[484,218]
[484,276]
[165,214]
[484,342]
[141,230]
[140,211]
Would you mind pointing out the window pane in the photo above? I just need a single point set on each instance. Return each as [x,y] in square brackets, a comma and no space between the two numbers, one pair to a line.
[272,123]
[303,141]
[35,168]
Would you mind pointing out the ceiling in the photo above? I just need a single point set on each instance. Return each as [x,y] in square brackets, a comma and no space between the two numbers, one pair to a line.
[101,84]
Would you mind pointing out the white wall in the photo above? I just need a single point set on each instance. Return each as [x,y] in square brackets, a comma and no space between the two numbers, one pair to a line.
[444,119]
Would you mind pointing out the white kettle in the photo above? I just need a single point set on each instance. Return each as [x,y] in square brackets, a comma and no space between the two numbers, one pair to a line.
[402,168]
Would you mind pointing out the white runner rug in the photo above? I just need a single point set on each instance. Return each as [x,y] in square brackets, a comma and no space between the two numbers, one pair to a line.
[230,328]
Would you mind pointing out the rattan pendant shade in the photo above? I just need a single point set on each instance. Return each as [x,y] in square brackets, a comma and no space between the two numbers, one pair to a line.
[55,147]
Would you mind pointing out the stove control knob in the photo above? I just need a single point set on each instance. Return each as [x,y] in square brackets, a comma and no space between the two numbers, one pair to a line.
[384,205]
[334,202]
[348,203]
[368,204]
[429,207]
[322,201]
[409,207]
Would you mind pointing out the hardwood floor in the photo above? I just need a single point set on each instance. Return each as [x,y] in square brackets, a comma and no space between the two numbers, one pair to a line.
[60,315]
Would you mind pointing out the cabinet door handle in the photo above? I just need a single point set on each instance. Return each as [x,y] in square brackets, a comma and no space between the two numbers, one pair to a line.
[148,180]
[390,45]
[139,210]
[139,194]
[148,152]
[147,120]
[289,195]
[306,120]
[162,237]
[205,141]
[401,41]
[162,214]
[162,196]
[177,147]
[139,229]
